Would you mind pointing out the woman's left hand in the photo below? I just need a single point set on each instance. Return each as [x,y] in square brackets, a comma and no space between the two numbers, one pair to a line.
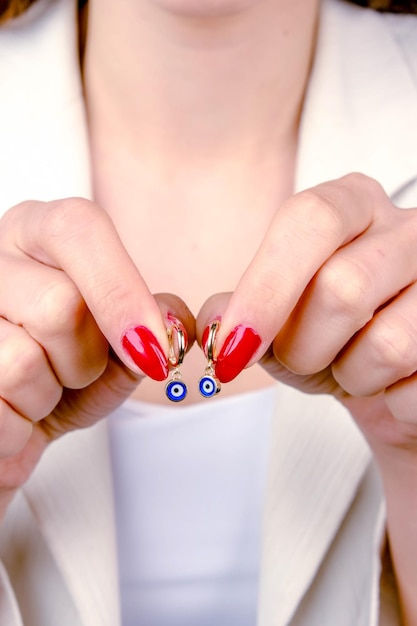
[329,305]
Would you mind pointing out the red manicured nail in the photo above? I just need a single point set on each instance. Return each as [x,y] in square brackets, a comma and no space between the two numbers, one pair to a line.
[143,348]
[238,349]
[204,339]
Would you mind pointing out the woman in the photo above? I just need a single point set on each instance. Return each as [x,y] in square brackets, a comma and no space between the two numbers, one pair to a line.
[202,120]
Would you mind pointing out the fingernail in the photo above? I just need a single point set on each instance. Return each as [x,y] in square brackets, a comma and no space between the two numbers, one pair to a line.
[144,350]
[205,335]
[237,350]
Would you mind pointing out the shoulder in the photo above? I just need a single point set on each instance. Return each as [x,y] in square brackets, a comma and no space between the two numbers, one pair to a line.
[400,29]
[403,30]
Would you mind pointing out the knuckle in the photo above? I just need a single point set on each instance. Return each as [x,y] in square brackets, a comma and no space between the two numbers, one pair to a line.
[15,432]
[408,220]
[10,218]
[319,210]
[60,309]
[344,287]
[358,178]
[400,399]
[359,182]
[65,218]
[394,345]
[21,359]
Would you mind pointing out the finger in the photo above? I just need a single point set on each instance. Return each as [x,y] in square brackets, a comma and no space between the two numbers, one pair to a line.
[211,311]
[15,430]
[27,382]
[174,311]
[209,320]
[46,302]
[345,293]
[75,235]
[401,399]
[81,408]
[305,232]
[238,346]
[86,406]
[384,352]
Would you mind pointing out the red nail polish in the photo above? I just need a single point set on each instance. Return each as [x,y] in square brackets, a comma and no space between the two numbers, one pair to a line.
[204,339]
[238,349]
[143,348]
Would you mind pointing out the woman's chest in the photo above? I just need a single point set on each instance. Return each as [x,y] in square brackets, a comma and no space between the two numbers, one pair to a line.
[194,240]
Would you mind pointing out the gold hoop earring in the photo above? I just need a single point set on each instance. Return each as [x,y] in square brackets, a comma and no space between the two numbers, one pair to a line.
[176,389]
[209,385]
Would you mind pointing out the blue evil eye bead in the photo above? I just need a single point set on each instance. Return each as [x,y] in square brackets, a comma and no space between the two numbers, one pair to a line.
[176,390]
[208,386]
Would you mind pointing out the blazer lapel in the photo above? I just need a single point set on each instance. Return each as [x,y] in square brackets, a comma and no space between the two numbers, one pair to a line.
[360,108]
[314,473]
[43,117]
[71,497]
[318,458]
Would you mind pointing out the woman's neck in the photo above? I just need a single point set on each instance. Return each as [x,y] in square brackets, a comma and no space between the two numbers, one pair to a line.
[193,113]
[197,81]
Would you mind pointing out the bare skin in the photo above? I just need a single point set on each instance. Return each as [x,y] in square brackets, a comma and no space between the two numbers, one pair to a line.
[193,112]
[196,175]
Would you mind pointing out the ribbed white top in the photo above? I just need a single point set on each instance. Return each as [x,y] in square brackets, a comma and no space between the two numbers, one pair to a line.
[189,489]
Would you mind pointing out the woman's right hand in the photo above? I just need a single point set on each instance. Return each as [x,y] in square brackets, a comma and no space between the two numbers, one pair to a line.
[78,328]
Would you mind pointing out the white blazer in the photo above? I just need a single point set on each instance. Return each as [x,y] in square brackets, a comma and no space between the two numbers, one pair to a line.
[324,511]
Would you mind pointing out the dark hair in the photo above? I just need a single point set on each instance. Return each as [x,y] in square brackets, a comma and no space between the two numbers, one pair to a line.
[12,8]
[390,6]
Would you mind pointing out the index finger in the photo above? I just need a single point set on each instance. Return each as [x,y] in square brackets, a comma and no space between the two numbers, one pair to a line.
[306,230]
[78,237]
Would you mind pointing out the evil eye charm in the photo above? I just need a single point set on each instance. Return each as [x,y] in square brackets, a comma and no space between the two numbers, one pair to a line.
[176,390]
[208,386]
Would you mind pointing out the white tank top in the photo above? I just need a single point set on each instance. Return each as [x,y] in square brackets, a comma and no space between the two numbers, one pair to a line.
[189,488]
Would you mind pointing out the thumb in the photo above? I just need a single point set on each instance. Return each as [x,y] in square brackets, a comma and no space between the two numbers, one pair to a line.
[241,347]
[81,408]
[76,236]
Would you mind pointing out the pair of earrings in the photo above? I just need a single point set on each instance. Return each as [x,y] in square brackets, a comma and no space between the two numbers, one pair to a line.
[208,385]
